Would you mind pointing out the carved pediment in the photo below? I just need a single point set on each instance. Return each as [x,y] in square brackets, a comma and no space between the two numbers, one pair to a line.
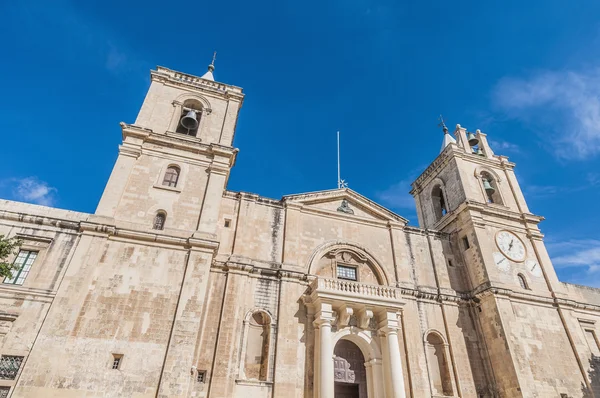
[344,202]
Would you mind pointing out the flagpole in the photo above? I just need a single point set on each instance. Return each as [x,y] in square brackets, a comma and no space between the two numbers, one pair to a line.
[338,160]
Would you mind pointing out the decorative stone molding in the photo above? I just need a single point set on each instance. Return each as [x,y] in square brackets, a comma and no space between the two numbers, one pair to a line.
[344,315]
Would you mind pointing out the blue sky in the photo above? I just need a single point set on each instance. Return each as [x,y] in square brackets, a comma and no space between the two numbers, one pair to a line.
[526,73]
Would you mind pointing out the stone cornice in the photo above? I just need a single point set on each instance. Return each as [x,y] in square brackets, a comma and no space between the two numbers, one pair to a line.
[498,212]
[184,80]
[175,141]
[40,220]
[26,293]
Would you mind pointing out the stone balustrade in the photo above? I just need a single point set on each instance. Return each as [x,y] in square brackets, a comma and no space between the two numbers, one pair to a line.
[359,290]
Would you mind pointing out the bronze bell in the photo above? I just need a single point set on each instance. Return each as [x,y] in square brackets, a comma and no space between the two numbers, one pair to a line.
[472,139]
[488,187]
[189,121]
[480,151]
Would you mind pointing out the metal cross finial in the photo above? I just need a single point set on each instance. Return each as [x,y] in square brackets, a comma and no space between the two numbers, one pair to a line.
[442,124]
[214,58]
[341,183]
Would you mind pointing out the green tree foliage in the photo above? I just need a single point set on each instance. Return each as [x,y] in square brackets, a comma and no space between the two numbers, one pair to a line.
[8,246]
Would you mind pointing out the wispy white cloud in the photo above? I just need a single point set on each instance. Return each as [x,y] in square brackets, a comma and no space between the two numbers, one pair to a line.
[578,259]
[564,106]
[544,191]
[33,190]
[397,196]
[504,146]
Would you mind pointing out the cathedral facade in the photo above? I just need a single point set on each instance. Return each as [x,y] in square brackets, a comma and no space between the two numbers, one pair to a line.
[179,287]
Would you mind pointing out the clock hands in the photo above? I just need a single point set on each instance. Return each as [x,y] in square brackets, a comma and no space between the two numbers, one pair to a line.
[510,245]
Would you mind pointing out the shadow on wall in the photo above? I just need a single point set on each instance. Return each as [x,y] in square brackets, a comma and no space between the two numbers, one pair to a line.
[594,374]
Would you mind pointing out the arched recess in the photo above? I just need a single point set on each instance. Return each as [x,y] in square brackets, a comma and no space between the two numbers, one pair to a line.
[341,252]
[362,338]
[438,363]
[257,343]
[369,347]
[439,199]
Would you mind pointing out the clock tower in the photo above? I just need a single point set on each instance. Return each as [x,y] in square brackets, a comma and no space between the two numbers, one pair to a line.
[498,257]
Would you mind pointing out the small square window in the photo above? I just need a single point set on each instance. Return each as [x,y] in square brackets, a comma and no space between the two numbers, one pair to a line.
[201,377]
[465,241]
[346,272]
[450,263]
[117,359]
[227,223]
[4,392]
[9,366]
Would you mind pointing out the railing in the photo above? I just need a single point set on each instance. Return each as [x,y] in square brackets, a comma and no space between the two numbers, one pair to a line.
[355,288]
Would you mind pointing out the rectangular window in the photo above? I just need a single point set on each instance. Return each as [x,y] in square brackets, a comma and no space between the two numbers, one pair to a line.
[4,392]
[23,261]
[346,272]
[201,378]
[466,242]
[117,359]
[227,223]
[9,366]
[590,337]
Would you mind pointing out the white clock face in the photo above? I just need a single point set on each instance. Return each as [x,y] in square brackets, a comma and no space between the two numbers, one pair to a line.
[501,262]
[511,246]
[534,268]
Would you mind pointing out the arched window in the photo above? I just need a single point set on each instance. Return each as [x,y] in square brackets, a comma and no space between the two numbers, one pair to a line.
[159,220]
[522,281]
[189,120]
[439,203]
[490,187]
[171,176]
[439,372]
[256,347]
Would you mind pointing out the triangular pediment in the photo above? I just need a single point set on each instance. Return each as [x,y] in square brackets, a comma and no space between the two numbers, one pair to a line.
[344,202]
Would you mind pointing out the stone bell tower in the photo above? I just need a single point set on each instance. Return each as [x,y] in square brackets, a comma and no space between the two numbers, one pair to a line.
[498,254]
[174,161]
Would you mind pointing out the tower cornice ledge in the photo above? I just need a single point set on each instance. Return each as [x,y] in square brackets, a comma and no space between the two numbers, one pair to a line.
[184,80]
[178,141]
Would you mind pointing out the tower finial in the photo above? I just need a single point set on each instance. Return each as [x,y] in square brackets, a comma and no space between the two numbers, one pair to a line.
[448,139]
[211,68]
[442,124]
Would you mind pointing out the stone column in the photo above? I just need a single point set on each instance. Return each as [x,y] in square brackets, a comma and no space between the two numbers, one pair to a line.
[389,327]
[323,321]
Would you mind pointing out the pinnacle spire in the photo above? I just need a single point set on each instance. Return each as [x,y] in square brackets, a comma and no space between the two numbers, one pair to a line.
[448,139]
[209,74]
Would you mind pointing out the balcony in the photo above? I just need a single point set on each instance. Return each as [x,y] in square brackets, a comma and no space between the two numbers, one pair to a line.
[342,291]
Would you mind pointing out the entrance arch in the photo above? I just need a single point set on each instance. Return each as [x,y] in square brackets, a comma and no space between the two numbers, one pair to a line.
[350,374]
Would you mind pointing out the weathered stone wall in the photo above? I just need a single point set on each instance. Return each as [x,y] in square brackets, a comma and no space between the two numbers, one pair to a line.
[117,297]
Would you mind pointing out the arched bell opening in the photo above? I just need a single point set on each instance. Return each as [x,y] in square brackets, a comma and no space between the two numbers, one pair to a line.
[350,373]
[189,120]
[440,208]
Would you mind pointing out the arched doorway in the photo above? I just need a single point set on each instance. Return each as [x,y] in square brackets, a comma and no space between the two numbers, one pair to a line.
[350,375]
